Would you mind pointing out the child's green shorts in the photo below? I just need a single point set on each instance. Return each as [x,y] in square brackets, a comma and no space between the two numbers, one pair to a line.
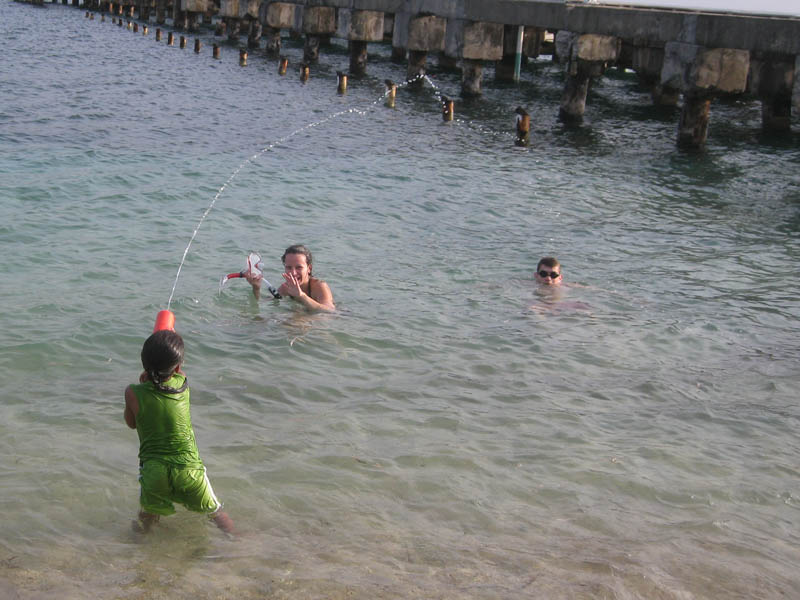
[163,484]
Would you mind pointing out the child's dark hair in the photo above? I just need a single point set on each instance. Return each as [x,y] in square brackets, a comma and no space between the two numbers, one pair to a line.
[161,353]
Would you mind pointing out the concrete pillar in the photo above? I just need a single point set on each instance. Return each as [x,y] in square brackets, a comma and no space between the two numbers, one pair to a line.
[471,73]
[317,21]
[180,20]
[771,79]
[796,86]
[416,66]
[358,57]
[531,48]
[311,48]
[359,27]
[161,12]
[473,42]
[702,74]
[693,126]
[648,62]
[254,36]
[388,27]
[425,34]
[588,56]
[573,98]
[272,36]
[234,28]
[446,63]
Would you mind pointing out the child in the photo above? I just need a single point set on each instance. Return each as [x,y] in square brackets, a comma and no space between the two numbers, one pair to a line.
[170,469]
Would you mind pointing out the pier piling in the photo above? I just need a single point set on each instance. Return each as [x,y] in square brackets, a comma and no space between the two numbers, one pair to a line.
[448,108]
[523,123]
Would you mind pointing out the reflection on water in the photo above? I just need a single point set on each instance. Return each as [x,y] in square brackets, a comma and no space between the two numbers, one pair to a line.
[453,430]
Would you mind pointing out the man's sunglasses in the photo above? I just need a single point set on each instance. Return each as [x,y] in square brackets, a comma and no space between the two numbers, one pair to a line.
[550,274]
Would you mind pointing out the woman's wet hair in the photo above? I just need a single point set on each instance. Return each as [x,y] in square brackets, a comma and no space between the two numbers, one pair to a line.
[161,354]
[298,249]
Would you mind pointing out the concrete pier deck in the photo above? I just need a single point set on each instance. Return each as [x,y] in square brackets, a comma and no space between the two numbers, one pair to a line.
[683,55]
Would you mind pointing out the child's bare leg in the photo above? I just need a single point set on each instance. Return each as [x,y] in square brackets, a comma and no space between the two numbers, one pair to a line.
[145,522]
[223,521]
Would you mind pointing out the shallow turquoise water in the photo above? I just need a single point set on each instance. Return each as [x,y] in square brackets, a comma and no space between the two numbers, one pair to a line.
[437,437]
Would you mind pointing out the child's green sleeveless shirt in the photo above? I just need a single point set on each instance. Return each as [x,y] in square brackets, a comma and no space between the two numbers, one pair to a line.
[164,425]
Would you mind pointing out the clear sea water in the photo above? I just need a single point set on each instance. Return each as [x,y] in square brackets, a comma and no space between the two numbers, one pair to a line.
[451,432]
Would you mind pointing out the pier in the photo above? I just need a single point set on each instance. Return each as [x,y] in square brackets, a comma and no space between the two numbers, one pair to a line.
[685,57]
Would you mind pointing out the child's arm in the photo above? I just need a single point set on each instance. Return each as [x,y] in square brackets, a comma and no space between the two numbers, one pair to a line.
[131,407]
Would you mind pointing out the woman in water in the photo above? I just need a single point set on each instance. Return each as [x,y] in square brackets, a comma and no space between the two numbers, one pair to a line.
[298,283]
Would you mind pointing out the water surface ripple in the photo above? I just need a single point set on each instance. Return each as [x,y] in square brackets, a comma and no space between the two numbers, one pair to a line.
[452,432]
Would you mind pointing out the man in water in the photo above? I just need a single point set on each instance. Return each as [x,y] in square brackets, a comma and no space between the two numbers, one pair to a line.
[548,271]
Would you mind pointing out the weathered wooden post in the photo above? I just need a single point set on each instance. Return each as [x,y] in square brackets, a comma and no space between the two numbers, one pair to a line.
[183,42]
[158,34]
[342,82]
[304,72]
[242,57]
[215,51]
[144,30]
[283,64]
[448,108]
[135,27]
[523,123]
[391,92]
[170,39]
[197,45]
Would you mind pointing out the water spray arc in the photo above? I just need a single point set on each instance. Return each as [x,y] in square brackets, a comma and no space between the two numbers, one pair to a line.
[267,148]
